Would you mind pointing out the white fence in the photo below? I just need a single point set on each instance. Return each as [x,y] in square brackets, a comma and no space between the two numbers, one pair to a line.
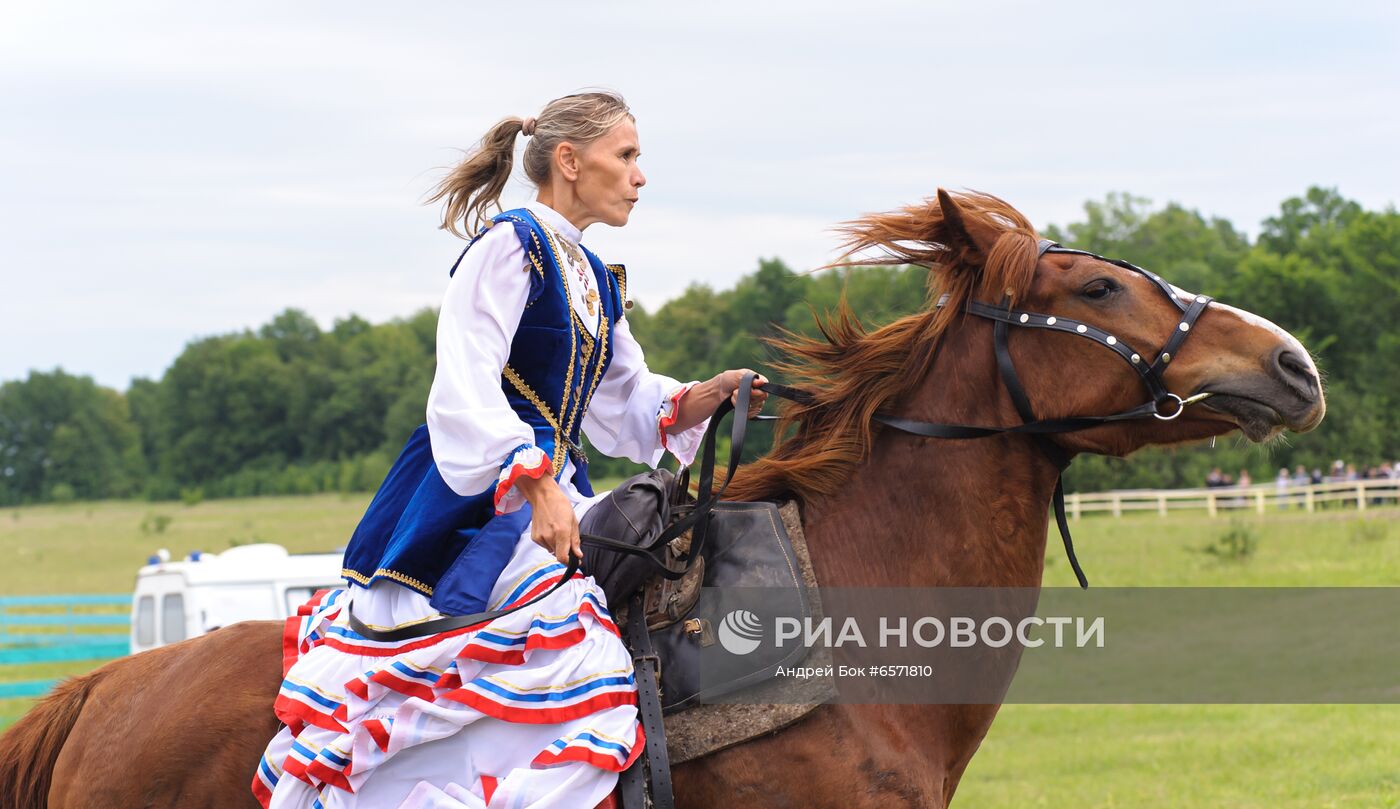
[1358,494]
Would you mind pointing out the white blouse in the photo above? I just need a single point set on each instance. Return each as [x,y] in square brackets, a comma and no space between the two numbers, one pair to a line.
[471,425]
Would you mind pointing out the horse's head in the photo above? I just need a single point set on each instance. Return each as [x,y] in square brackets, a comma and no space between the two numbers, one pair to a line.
[1083,336]
[1110,346]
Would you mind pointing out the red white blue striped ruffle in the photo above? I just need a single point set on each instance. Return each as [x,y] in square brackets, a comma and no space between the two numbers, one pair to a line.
[351,704]
[596,748]
[527,461]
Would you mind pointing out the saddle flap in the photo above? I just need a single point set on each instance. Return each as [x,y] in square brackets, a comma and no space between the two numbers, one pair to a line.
[747,548]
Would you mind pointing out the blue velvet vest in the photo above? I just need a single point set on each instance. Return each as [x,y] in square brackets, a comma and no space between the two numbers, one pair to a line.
[420,533]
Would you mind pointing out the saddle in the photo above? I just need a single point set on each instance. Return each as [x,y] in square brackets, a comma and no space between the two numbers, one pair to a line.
[745,546]
[676,571]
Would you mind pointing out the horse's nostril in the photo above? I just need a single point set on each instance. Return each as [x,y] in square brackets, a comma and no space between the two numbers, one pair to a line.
[1295,369]
[1294,363]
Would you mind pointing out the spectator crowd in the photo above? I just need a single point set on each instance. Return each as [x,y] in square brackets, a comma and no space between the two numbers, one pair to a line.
[1339,472]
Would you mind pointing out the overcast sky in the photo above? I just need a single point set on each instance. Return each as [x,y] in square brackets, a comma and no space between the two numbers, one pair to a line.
[170,170]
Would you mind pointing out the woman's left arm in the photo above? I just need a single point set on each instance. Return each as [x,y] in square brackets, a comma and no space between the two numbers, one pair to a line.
[639,415]
[700,401]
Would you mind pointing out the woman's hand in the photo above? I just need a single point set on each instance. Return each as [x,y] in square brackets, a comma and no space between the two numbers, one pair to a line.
[700,401]
[729,386]
[553,525]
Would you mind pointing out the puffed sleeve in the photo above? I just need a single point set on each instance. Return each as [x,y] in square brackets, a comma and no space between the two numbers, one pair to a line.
[477,439]
[632,408]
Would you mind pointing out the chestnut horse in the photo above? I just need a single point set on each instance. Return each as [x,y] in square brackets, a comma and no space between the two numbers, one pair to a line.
[185,725]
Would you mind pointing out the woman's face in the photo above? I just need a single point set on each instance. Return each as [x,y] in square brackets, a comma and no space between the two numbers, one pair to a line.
[608,175]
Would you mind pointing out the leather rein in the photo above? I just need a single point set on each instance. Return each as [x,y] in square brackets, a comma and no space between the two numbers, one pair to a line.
[1163,404]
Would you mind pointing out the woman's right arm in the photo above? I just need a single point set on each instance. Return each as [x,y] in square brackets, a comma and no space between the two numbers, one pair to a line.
[477,439]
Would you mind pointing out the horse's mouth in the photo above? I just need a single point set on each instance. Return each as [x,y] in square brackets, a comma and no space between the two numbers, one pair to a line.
[1257,420]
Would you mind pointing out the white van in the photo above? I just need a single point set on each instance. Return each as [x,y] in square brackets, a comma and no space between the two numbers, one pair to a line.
[178,600]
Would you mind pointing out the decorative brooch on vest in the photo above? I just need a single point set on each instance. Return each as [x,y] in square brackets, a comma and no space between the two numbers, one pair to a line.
[579,265]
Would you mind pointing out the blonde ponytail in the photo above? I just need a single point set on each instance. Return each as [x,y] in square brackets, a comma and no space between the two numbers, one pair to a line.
[477,182]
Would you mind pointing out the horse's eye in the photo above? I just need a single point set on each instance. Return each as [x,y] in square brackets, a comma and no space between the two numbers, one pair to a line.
[1099,289]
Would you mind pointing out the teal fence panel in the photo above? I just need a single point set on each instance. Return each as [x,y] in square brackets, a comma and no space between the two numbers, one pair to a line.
[75,613]
[66,620]
[15,656]
[59,638]
[64,600]
[27,688]
[58,628]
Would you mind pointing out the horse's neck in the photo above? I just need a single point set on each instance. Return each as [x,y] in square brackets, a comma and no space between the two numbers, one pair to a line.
[935,512]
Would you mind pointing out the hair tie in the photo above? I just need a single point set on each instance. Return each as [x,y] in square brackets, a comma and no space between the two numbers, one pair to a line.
[527,128]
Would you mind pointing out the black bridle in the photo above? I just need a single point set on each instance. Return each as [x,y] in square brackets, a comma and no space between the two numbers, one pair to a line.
[1163,404]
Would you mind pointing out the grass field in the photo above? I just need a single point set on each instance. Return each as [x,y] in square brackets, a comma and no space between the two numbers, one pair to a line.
[1035,756]
[97,547]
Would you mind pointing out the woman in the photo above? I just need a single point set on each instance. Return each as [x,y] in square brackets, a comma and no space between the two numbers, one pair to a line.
[481,510]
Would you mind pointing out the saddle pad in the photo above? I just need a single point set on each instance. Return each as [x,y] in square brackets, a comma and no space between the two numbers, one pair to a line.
[750,568]
[700,729]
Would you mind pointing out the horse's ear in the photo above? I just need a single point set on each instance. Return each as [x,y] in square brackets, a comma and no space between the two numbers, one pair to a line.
[969,239]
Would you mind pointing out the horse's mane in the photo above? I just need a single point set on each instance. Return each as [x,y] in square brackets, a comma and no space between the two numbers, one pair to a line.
[852,373]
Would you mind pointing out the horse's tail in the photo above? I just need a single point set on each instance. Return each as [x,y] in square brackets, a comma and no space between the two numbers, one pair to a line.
[30,748]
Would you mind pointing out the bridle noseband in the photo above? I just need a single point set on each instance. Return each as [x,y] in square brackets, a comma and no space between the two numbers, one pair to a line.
[1163,404]
[1149,372]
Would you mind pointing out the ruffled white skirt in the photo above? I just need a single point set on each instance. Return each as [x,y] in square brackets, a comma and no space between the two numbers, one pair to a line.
[536,709]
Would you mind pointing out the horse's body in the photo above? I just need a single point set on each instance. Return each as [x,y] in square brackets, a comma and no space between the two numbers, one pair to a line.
[184,726]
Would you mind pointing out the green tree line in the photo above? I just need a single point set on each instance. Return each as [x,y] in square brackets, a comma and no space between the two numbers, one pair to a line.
[293,408]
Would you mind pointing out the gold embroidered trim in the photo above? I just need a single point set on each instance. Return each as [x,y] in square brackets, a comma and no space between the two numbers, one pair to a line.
[531,255]
[536,241]
[556,462]
[620,273]
[560,437]
[584,335]
[513,377]
[578,390]
[603,336]
[582,400]
[386,573]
